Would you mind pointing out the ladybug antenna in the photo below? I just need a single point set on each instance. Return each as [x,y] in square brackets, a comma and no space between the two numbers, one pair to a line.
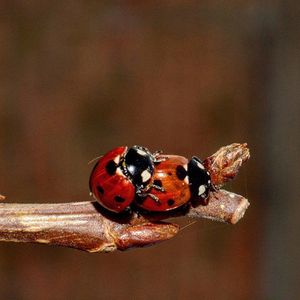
[94,159]
[187,225]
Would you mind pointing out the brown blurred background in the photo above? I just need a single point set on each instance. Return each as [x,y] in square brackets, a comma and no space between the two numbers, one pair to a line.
[81,77]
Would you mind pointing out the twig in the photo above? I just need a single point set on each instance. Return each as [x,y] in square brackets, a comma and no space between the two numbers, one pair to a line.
[86,226]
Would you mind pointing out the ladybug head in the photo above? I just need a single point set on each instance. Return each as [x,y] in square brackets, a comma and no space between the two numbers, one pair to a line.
[199,178]
[138,165]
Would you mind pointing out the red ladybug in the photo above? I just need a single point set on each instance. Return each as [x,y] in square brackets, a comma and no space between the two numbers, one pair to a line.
[171,176]
[121,175]
[155,182]
[180,181]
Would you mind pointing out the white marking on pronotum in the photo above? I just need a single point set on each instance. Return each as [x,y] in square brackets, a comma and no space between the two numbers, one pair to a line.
[200,165]
[119,172]
[231,195]
[141,152]
[185,167]
[117,159]
[145,175]
[201,190]
[186,179]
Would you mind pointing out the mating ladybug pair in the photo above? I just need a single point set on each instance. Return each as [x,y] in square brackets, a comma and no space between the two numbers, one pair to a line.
[152,181]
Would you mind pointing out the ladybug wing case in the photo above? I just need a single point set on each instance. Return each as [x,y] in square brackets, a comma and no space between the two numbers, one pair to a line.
[109,185]
[172,176]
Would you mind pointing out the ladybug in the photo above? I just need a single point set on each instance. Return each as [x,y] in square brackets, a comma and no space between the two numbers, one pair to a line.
[180,181]
[154,182]
[121,175]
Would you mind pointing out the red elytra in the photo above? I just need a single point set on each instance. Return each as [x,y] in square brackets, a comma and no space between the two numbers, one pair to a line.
[154,182]
[109,185]
[170,174]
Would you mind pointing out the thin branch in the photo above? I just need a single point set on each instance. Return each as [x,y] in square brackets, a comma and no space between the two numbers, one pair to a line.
[80,225]
[86,226]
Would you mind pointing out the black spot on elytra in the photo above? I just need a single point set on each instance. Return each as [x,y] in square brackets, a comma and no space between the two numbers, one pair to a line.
[157,182]
[170,202]
[170,173]
[100,189]
[119,199]
[181,172]
[111,167]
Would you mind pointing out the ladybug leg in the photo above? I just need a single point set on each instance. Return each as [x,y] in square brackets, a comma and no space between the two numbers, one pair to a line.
[157,187]
[156,157]
[157,152]
[155,198]
[213,188]
[158,160]
[142,194]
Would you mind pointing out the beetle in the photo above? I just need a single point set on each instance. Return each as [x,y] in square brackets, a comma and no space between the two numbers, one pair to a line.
[181,181]
[122,174]
[154,182]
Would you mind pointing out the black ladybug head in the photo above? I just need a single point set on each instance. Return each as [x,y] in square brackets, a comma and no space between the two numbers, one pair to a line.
[199,178]
[138,165]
